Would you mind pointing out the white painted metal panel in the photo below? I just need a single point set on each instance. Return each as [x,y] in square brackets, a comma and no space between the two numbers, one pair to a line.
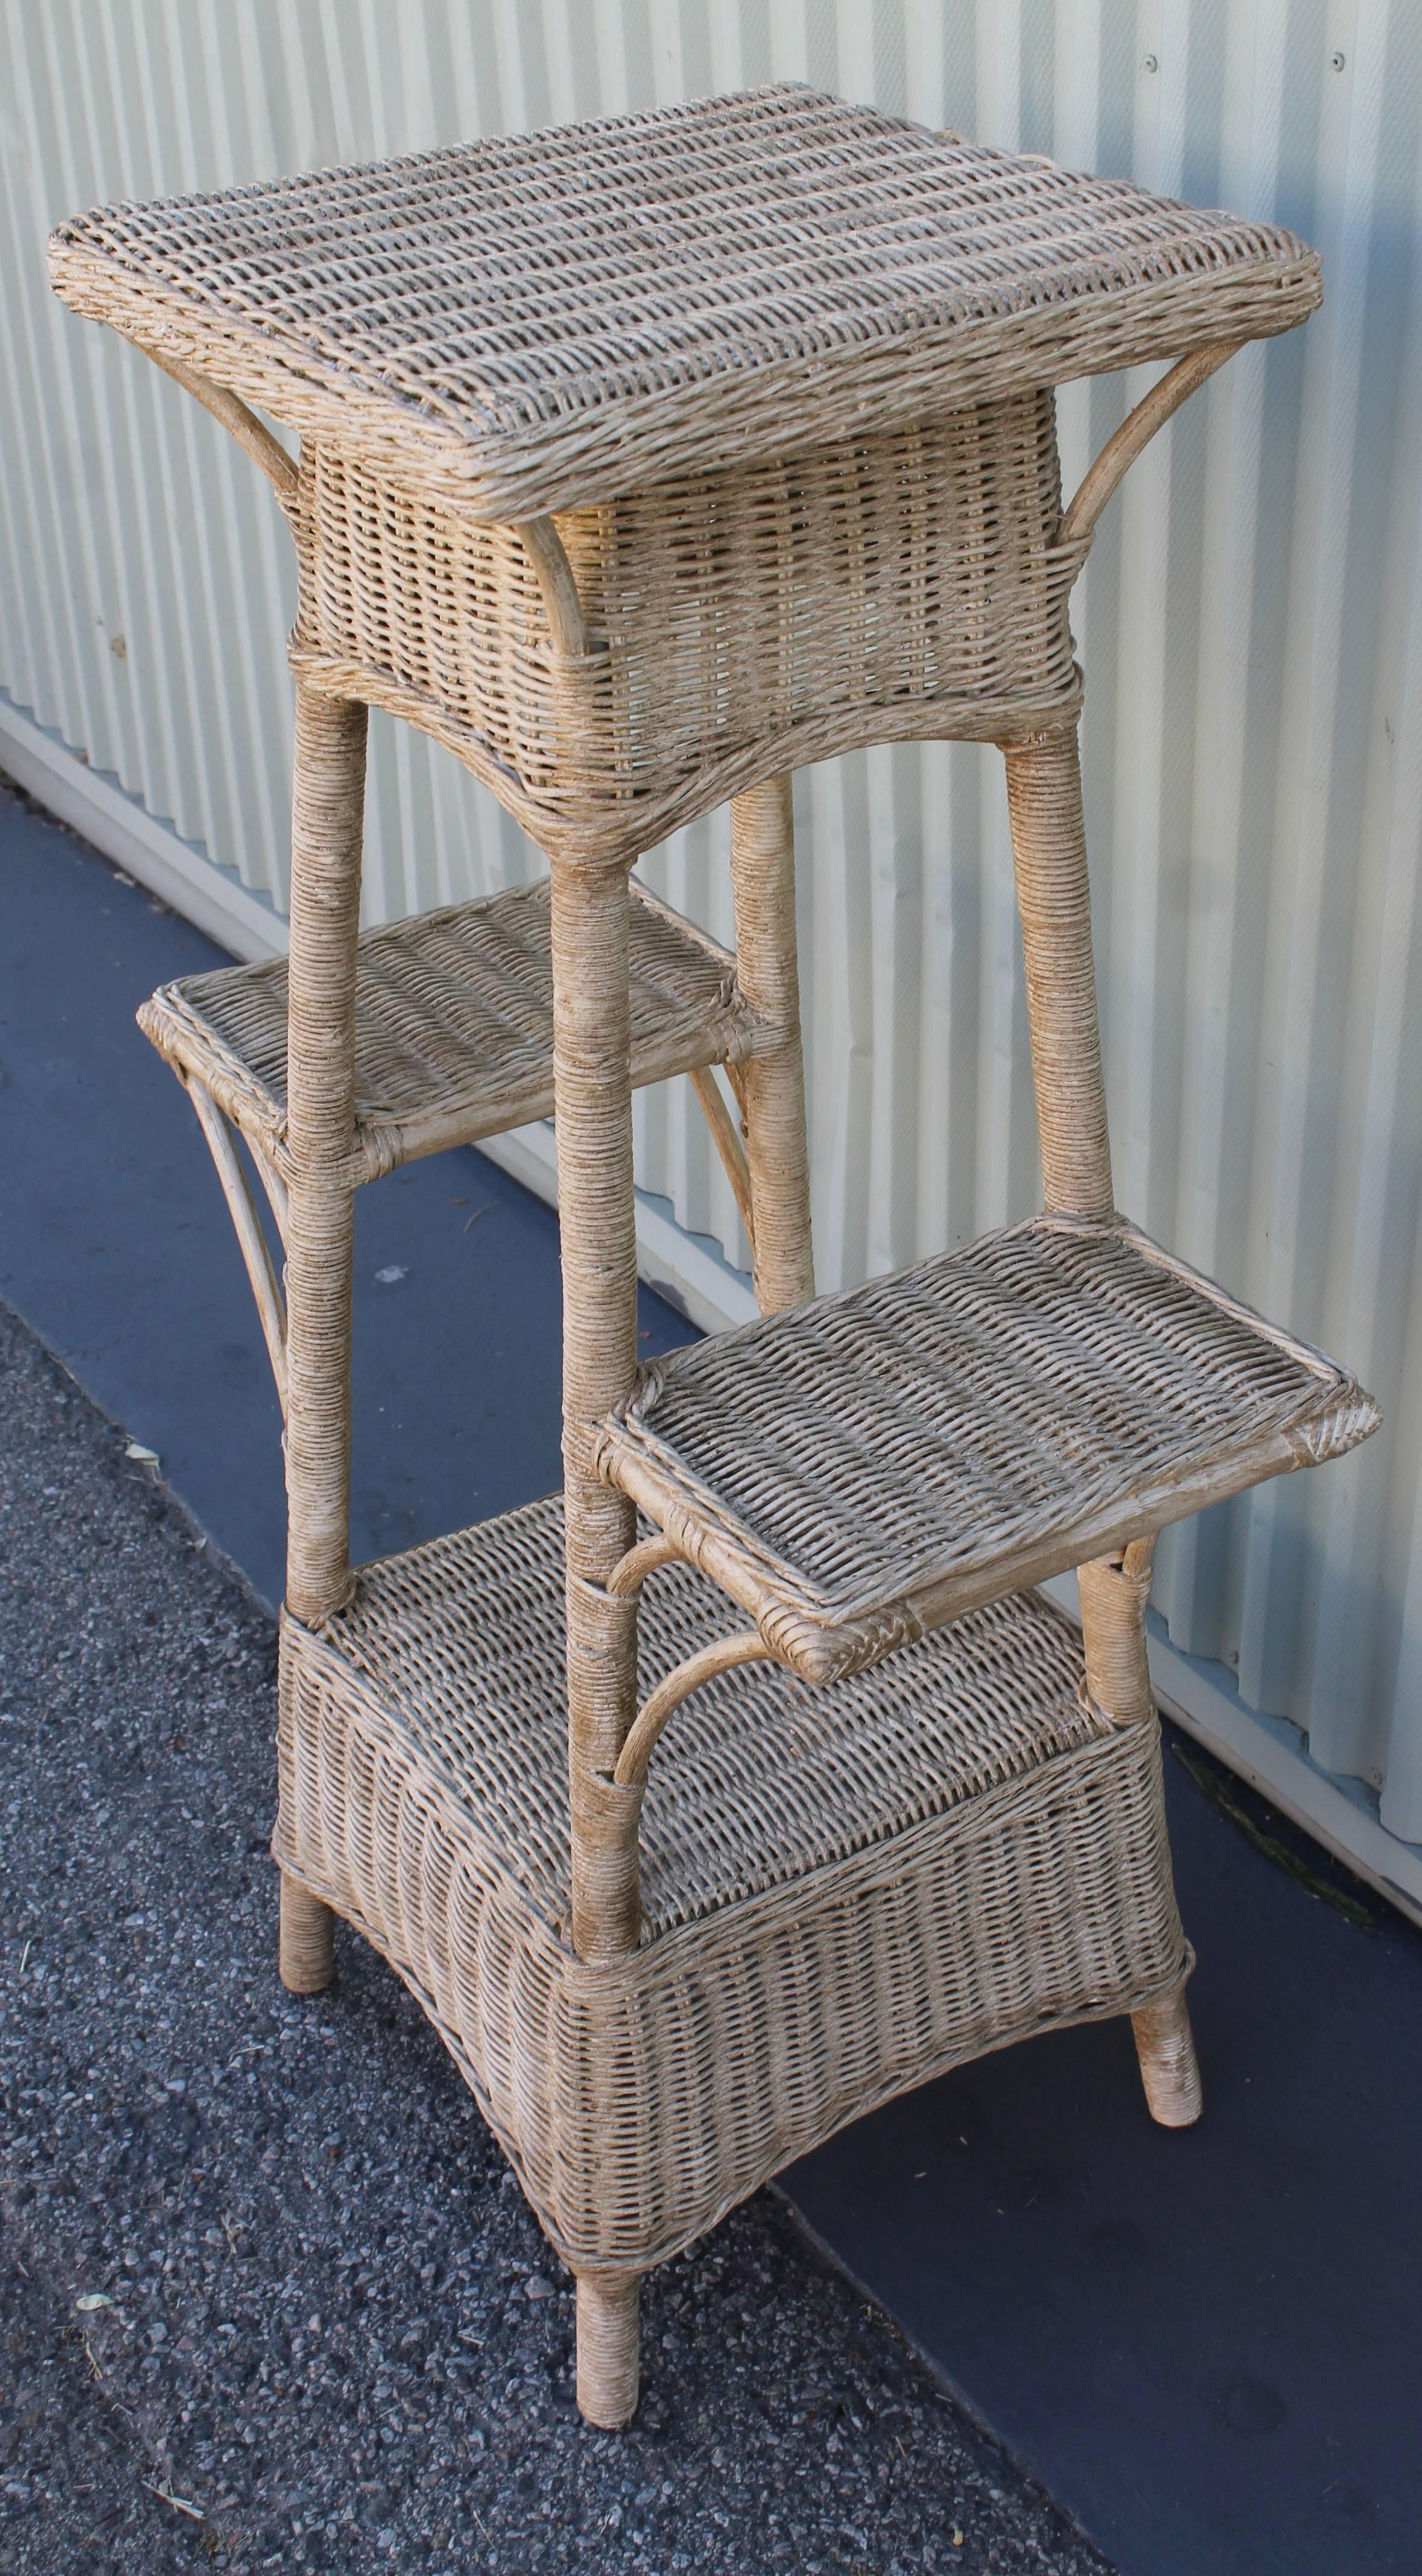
[1251,626]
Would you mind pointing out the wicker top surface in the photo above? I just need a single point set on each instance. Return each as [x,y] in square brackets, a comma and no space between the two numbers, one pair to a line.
[549,318]
[757,1780]
[916,1440]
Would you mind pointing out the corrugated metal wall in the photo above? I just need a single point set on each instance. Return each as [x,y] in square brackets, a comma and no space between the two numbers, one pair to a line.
[1251,625]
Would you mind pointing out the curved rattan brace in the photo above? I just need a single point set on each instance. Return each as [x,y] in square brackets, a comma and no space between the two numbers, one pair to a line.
[278,1199]
[249,432]
[1135,433]
[726,1138]
[560,590]
[721,1656]
[256,1255]
[631,1571]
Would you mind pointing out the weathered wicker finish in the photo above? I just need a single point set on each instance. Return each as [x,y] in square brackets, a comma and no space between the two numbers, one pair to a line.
[869,1465]
[1044,811]
[910,582]
[1044,806]
[770,1086]
[327,817]
[306,1938]
[780,366]
[592,1112]
[844,1891]
[453,1026]
[788,394]
[536,322]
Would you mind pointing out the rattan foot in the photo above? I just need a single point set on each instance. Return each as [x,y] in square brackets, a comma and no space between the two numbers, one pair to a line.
[306,1943]
[1166,2051]
[608,2338]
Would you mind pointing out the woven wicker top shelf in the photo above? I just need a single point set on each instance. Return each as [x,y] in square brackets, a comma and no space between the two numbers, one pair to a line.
[539,322]
[454,1025]
[456,1648]
[860,1469]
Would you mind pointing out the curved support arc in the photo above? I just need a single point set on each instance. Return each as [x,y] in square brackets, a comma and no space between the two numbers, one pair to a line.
[560,590]
[721,1656]
[630,1572]
[252,1242]
[1135,434]
[728,1144]
[278,1198]
[242,423]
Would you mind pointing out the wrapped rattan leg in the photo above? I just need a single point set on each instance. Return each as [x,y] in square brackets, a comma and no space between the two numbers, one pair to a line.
[608,2341]
[306,1955]
[1169,2071]
[1113,1606]
[1049,857]
[328,795]
[772,1084]
[597,1227]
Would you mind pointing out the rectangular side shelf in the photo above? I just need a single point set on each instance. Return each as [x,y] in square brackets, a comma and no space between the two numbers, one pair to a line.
[454,1025]
[859,1470]
[843,1891]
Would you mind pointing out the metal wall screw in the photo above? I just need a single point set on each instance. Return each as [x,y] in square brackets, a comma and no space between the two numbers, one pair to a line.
[1151,63]
[1338,61]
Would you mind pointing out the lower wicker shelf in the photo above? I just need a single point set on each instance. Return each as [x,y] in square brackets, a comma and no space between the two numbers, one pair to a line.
[845,1891]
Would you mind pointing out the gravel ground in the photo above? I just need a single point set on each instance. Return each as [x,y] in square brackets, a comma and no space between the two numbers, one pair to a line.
[271,2295]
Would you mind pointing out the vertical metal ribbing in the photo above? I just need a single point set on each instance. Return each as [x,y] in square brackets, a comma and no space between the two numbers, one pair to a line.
[773,1085]
[1054,900]
[592,1091]
[1053,896]
[327,809]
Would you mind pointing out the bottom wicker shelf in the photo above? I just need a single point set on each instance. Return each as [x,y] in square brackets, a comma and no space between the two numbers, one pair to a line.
[845,1891]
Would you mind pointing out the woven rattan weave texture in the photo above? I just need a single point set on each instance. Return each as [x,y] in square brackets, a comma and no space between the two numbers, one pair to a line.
[782,369]
[782,364]
[843,1891]
[537,321]
[908,582]
[865,1466]
[453,1025]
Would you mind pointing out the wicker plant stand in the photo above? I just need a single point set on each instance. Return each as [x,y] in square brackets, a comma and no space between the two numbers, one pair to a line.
[641,463]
